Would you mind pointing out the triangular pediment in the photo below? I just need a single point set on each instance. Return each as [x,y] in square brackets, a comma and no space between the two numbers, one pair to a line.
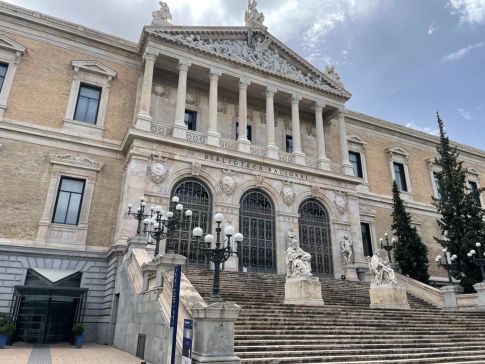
[7,43]
[398,151]
[254,48]
[94,66]
[356,140]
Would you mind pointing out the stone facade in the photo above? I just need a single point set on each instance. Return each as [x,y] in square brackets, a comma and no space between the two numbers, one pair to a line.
[147,88]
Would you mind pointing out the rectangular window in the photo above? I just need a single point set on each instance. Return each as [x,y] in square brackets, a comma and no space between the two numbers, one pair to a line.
[366,239]
[400,177]
[474,189]
[87,104]
[436,184]
[3,73]
[248,131]
[356,162]
[69,200]
[190,119]
[289,144]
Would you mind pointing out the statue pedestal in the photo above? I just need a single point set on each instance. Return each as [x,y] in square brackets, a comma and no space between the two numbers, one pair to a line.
[305,291]
[388,296]
[350,272]
[214,333]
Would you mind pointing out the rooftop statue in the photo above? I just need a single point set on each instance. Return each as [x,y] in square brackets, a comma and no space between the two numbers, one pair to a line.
[161,16]
[253,17]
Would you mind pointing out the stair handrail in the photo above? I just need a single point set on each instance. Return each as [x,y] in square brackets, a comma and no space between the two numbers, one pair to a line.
[421,290]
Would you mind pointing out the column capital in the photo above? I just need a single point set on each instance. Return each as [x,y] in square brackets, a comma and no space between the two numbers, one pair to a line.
[296,98]
[319,105]
[341,112]
[150,54]
[215,73]
[184,65]
[271,90]
[244,82]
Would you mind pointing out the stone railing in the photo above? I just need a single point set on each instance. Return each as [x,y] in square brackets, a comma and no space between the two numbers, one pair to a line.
[196,137]
[161,128]
[285,157]
[337,168]
[423,291]
[311,162]
[228,144]
[258,151]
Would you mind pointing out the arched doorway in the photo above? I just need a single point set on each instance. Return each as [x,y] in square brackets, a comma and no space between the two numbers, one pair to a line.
[257,252]
[195,196]
[315,236]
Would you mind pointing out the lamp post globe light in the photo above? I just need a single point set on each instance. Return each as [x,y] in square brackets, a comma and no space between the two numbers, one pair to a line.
[218,254]
[449,263]
[478,257]
[139,215]
[161,225]
[388,247]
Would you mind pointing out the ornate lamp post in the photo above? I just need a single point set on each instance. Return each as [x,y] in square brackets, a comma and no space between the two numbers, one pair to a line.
[139,215]
[388,247]
[449,263]
[219,254]
[477,257]
[160,225]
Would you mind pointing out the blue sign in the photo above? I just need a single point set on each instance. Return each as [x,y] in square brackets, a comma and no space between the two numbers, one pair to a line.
[187,342]
[175,309]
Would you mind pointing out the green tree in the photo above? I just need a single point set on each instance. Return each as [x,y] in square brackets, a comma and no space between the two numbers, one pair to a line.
[410,252]
[461,222]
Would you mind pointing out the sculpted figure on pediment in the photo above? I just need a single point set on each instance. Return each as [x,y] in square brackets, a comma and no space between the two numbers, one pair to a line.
[161,16]
[253,16]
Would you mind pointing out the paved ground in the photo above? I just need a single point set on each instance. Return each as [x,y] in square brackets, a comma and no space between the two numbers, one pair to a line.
[21,353]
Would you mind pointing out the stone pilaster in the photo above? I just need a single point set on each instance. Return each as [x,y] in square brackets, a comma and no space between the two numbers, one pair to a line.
[213,134]
[243,144]
[271,148]
[344,152]
[323,161]
[298,155]
[143,119]
[179,127]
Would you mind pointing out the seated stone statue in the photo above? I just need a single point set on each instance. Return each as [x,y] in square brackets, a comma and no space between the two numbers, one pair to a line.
[297,260]
[382,272]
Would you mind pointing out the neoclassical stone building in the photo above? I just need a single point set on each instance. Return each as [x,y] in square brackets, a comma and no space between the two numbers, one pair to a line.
[227,118]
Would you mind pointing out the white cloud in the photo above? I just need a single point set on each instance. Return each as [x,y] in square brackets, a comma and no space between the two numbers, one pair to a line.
[432,28]
[465,114]
[470,11]
[462,52]
[423,129]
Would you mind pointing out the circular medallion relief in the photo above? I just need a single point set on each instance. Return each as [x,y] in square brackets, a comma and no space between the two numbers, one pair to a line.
[158,169]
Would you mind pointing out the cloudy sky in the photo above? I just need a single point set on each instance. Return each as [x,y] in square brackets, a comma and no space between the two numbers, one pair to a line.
[401,59]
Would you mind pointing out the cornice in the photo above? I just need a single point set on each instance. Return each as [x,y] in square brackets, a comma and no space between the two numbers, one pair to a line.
[432,140]
[74,30]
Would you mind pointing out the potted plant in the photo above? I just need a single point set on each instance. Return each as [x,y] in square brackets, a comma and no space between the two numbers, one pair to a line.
[6,329]
[78,331]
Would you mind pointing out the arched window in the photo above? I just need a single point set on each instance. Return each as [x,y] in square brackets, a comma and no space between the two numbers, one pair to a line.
[195,196]
[315,236]
[257,252]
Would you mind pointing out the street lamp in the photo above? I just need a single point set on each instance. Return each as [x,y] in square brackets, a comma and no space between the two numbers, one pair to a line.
[477,257]
[139,214]
[388,247]
[160,225]
[449,263]
[219,254]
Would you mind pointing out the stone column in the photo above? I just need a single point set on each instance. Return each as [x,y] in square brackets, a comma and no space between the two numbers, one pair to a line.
[212,134]
[344,152]
[271,148]
[298,155]
[323,161]
[179,127]
[243,144]
[144,119]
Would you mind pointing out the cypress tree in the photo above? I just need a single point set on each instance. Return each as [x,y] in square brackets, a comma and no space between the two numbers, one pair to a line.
[461,216]
[410,252]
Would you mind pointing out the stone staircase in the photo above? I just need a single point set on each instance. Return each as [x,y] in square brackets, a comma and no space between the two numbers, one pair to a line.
[345,330]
